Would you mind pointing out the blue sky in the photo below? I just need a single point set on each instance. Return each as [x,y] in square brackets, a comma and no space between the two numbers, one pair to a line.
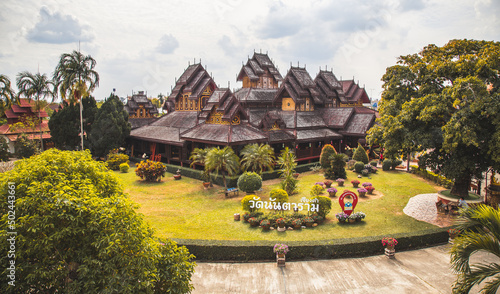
[146,46]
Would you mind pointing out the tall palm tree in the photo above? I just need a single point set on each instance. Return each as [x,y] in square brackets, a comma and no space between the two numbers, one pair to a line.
[75,78]
[198,156]
[35,86]
[222,160]
[257,157]
[480,232]
[7,95]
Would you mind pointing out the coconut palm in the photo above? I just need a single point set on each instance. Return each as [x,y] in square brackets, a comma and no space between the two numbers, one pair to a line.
[35,86]
[75,78]
[222,160]
[257,158]
[198,156]
[480,232]
[7,95]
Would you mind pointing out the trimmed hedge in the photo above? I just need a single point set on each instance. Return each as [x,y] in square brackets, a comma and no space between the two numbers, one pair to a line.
[226,250]
[438,179]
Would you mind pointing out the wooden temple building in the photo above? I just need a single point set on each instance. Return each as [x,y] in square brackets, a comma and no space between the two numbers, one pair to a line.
[141,111]
[295,111]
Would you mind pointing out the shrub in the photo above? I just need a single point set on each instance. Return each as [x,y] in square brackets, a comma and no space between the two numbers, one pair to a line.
[360,154]
[369,167]
[395,162]
[316,168]
[279,195]
[373,163]
[308,220]
[4,150]
[245,203]
[25,147]
[317,218]
[359,166]
[124,167]
[325,205]
[150,171]
[386,164]
[316,190]
[115,159]
[350,164]
[338,163]
[249,182]
[297,222]
[365,172]
[326,152]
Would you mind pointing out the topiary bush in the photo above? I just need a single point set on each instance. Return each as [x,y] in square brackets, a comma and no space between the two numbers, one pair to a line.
[325,205]
[279,195]
[360,154]
[373,163]
[350,164]
[150,171]
[249,182]
[359,166]
[395,162]
[115,159]
[124,167]
[316,190]
[386,164]
[326,152]
[245,203]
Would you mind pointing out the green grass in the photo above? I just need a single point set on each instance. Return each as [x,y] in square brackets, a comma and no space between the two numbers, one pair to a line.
[470,196]
[183,209]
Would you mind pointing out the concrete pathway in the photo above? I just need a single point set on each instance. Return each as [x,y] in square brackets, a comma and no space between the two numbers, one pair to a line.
[419,271]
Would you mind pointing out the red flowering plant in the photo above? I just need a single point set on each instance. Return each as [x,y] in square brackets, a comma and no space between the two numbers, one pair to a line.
[389,241]
[370,189]
[355,182]
[280,222]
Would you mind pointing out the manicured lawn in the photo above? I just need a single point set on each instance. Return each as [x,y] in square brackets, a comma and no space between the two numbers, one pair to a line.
[183,209]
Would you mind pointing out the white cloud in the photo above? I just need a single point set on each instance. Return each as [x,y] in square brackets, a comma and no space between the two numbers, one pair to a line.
[167,44]
[55,28]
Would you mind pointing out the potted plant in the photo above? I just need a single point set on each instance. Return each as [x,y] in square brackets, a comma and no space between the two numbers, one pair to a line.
[355,183]
[319,184]
[340,182]
[309,221]
[366,184]
[206,179]
[352,218]
[246,217]
[280,222]
[297,223]
[318,218]
[359,216]
[342,217]
[370,189]
[253,221]
[265,224]
[362,192]
[281,250]
[328,183]
[389,244]
[331,191]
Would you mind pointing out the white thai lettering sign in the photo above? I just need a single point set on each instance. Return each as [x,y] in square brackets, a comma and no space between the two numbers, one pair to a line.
[308,204]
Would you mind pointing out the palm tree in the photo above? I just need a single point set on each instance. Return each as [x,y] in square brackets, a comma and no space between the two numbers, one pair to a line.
[75,77]
[480,232]
[7,95]
[37,86]
[257,158]
[198,156]
[223,160]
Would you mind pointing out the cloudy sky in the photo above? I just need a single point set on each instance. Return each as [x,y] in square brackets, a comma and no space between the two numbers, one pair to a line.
[147,45]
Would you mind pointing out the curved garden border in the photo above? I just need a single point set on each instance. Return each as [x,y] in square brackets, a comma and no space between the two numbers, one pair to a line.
[238,251]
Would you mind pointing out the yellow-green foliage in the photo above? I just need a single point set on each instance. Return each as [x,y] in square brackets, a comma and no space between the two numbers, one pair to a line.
[115,159]
[360,154]
[316,190]
[279,195]
[245,203]
[150,171]
[124,167]
[326,152]
[249,182]
[325,205]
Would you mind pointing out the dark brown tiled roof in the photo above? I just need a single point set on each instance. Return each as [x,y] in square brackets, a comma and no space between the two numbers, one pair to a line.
[329,87]
[337,118]
[158,134]
[226,102]
[255,115]
[309,119]
[299,85]
[140,122]
[354,93]
[140,99]
[311,135]
[224,134]
[280,136]
[253,95]
[257,66]
[177,119]
[195,79]
[359,124]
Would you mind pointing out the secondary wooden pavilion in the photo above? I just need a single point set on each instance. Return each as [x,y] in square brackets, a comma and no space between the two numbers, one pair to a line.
[296,111]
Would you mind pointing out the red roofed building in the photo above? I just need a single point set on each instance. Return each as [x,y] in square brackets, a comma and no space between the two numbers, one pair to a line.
[18,113]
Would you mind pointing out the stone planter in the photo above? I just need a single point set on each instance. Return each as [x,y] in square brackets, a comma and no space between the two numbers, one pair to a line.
[332,194]
[206,185]
[281,229]
[237,217]
[362,194]
[341,184]
[355,185]
[390,251]
[177,177]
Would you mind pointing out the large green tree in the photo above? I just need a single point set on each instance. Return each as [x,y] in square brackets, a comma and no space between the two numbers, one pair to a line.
[257,158]
[7,94]
[64,124]
[75,77]
[481,233]
[445,101]
[222,160]
[110,127]
[38,87]
[78,232]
